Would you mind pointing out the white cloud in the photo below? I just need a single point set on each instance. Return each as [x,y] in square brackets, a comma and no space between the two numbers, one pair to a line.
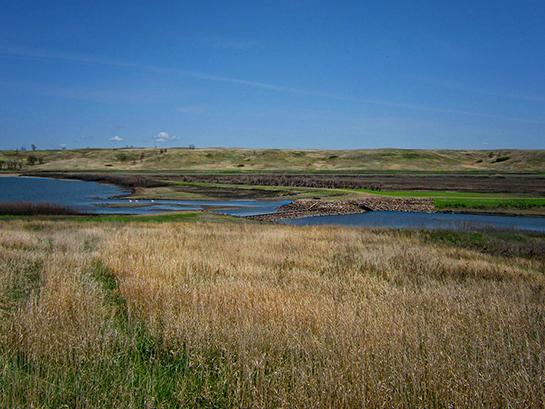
[116,138]
[163,137]
[192,109]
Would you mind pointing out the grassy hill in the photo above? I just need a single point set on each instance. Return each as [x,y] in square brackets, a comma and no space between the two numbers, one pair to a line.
[248,160]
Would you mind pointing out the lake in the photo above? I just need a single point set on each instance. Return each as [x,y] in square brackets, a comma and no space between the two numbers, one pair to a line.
[98,198]
[410,220]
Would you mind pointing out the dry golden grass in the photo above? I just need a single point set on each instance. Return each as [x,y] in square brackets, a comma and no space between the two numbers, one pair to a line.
[331,317]
[225,315]
[54,319]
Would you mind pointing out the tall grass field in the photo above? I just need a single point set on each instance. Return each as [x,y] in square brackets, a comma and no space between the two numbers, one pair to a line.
[175,315]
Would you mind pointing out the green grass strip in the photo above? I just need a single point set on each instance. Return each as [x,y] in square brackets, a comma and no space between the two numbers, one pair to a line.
[461,203]
[157,373]
[440,194]
[155,218]
[499,243]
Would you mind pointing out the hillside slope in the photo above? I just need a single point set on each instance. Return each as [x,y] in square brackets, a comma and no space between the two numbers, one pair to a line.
[220,159]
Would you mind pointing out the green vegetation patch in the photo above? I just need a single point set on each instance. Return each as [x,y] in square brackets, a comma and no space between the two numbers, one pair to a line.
[505,243]
[150,370]
[155,218]
[132,369]
[489,204]
[437,194]
[468,200]
[21,283]
[188,217]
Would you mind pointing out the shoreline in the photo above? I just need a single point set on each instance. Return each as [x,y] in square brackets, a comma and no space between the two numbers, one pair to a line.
[499,212]
[9,174]
[299,208]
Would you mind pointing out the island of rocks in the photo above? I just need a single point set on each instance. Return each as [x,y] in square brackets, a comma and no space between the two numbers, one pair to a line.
[314,207]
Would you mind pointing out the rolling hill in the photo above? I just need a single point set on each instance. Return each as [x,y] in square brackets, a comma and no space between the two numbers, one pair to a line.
[255,160]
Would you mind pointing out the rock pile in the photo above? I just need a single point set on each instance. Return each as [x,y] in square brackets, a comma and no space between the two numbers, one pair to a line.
[312,207]
[397,204]
[323,206]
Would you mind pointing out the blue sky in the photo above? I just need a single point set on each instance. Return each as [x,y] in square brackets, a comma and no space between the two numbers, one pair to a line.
[293,74]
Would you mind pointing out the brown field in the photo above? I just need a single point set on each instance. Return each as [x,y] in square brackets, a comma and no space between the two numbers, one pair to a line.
[234,315]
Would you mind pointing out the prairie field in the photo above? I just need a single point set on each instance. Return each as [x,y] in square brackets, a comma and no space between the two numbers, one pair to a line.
[221,160]
[203,314]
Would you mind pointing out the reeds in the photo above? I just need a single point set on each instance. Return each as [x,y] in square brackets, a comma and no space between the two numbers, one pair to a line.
[34,209]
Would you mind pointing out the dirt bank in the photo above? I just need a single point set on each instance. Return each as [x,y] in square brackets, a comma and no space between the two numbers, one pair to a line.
[501,183]
[128,181]
[310,207]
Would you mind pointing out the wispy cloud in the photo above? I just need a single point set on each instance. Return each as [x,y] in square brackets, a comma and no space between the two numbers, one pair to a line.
[192,109]
[93,94]
[117,138]
[163,137]
[49,55]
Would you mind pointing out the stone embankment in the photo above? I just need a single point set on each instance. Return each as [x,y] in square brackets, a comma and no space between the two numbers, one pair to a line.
[311,207]
[398,204]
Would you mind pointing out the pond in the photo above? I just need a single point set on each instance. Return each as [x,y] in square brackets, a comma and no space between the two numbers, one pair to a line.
[409,220]
[99,198]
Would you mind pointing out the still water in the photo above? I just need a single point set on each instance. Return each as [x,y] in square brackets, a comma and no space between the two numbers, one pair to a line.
[98,198]
[408,220]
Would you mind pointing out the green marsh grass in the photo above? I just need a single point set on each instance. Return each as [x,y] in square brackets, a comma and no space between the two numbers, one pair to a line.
[468,200]
[489,203]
